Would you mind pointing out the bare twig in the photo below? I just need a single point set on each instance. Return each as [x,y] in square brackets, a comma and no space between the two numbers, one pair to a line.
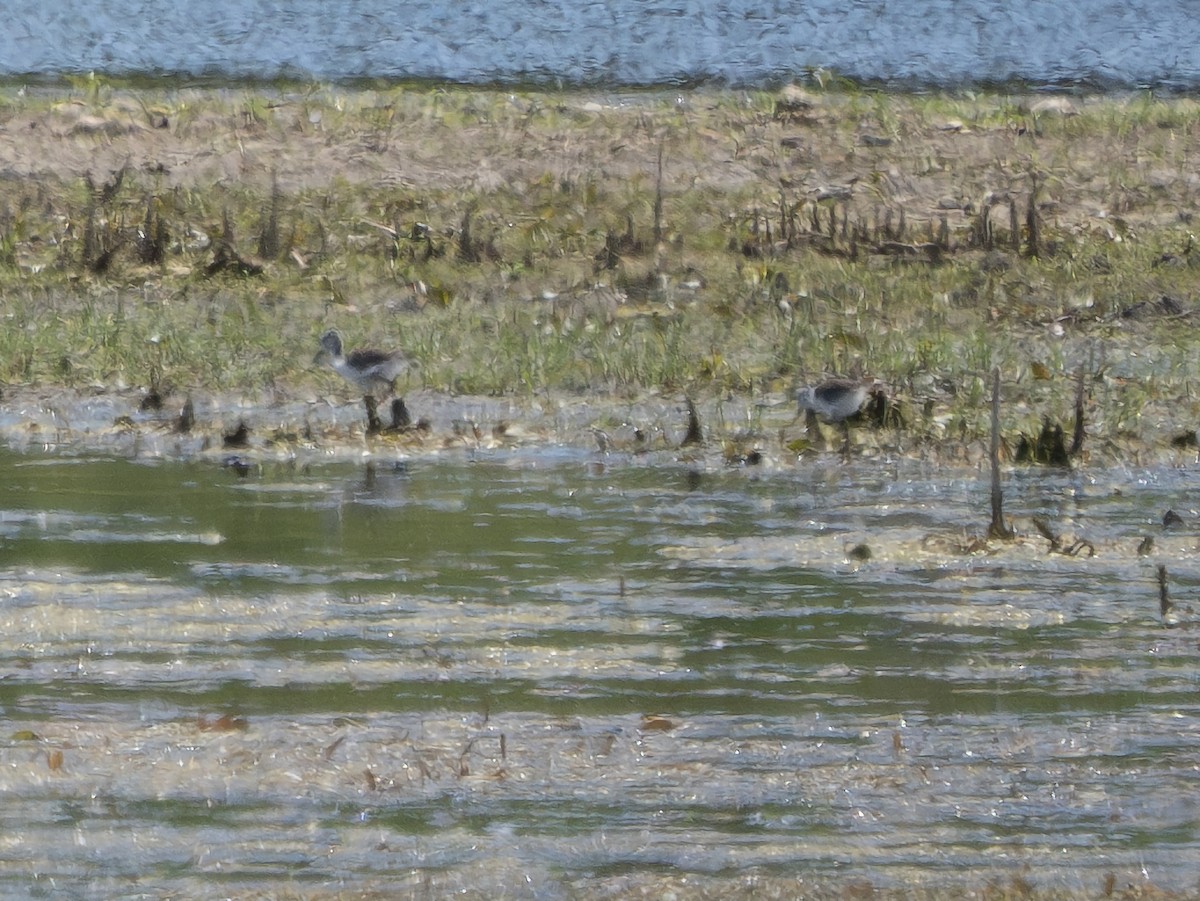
[694,434]
[997,529]
[1033,248]
[1077,438]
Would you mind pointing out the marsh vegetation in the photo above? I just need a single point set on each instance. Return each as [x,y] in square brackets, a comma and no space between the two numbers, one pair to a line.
[780,666]
[702,243]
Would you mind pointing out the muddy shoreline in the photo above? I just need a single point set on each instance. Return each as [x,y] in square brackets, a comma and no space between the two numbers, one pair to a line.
[731,244]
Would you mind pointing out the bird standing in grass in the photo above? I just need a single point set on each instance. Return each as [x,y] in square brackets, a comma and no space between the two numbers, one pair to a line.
[835,400]
[373,371]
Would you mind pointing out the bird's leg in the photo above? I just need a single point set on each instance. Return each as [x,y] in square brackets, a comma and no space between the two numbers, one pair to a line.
[812,426]
[845,441]
[374,426]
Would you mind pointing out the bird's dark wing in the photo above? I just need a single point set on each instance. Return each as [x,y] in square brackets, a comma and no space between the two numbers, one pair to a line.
[365,359]
[834,390]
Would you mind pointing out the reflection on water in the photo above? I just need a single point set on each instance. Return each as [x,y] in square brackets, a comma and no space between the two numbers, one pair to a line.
[541,673]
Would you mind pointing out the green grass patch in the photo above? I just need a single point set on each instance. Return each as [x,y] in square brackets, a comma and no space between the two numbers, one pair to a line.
[703,242]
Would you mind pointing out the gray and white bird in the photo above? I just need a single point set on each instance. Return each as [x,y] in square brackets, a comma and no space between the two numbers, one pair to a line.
[834,400]
[373,371]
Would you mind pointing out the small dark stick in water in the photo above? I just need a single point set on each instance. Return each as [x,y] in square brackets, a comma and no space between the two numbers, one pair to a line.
[1172,614]
[1164,600]
[997,529]
[239,437]
[1077,437]
[401,418]
[187,418]
[694,434]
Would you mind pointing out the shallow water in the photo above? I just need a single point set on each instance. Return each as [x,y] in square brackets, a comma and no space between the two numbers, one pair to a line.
[543,672]
[942,43]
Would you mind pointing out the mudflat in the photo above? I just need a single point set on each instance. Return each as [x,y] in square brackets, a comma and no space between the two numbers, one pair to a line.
[702,243]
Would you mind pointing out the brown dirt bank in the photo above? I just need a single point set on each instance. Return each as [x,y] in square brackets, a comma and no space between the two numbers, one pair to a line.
[930,156]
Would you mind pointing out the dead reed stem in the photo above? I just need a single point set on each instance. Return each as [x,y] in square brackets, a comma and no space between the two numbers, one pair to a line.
[997,529]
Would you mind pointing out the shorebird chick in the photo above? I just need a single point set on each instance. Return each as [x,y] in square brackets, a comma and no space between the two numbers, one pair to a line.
[834,400]
[373,371]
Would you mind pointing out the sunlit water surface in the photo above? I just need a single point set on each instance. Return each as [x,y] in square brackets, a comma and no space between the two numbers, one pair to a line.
[536,673]
[944,43]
